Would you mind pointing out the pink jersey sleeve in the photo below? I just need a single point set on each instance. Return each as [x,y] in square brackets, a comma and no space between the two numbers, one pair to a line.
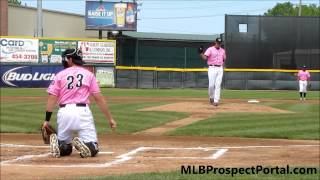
[208,52]
[300,73]
[54,87]
[224,55]
[308,74]
[94,87]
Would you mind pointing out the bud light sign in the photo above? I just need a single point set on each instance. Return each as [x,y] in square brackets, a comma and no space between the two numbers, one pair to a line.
[28,76]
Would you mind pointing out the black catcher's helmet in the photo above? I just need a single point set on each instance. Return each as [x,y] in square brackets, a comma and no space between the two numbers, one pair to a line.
[75,54]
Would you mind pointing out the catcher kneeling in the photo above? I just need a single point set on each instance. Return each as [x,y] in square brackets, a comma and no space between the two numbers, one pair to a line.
[71,89]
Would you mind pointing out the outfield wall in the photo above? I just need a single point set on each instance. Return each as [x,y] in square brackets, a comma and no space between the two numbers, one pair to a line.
[243,79]
[40,75]
[24,75]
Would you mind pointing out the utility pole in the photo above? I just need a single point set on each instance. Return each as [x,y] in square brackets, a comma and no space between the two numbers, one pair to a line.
[300,7]
[3,18]
[39,32]
[100,30]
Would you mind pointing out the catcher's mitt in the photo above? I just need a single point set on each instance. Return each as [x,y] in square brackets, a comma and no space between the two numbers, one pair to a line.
[200,49]
[46,131]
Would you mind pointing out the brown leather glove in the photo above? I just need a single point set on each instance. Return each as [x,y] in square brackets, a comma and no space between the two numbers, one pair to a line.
[46,131]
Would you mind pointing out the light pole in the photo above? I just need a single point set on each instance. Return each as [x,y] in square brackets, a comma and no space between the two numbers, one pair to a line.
[299,7]
[39,32]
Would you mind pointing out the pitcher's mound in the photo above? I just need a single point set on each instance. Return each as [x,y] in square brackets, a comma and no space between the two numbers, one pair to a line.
[200,107]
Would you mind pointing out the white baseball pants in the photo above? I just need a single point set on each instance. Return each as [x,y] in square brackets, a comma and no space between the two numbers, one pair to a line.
[72,118]
[303,86]
[215,78]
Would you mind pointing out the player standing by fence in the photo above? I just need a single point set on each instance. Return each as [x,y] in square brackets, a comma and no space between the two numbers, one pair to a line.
[303,78]
[215,57]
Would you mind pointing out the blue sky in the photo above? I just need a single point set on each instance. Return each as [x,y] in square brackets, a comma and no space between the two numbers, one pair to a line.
[180,16]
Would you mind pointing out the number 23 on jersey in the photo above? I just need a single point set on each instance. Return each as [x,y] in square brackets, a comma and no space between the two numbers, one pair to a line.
[75,82]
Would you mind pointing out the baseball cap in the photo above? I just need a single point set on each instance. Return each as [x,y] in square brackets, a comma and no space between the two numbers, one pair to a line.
[219,40]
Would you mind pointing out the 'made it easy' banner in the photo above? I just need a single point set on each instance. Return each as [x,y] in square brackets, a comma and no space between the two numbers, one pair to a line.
[28,76]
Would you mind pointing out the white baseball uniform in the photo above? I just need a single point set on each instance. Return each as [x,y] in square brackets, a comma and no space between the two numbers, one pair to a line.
[303,80]
[215,59]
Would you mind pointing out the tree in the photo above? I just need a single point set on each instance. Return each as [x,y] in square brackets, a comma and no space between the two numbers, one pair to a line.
[14,2]
[288,9]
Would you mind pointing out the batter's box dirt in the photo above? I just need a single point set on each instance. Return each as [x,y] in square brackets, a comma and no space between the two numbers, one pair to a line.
[180,153]
[145,153]
[104,159]
[9,153]
[74,158]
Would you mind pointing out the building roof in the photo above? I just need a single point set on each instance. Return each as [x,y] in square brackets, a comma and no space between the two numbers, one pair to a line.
[169,36]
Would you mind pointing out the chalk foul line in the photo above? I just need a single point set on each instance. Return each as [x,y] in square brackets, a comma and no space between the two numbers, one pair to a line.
[219,151]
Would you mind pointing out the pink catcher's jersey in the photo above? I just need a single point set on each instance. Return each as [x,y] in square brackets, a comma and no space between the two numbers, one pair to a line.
[73,85]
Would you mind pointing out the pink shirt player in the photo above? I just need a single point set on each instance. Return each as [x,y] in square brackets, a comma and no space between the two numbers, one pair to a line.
[303,75]
[73,85]
[215,56]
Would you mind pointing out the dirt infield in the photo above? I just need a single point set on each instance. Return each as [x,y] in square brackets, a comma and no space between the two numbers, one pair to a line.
[24,156]
[203,110]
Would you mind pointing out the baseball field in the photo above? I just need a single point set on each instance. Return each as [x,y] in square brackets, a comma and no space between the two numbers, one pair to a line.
[161,132]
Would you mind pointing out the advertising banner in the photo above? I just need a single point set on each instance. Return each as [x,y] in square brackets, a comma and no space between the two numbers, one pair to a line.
[50,50]
[89,68]
[111,15]
[105,76]
[18,50]
[97,52]
[28,76]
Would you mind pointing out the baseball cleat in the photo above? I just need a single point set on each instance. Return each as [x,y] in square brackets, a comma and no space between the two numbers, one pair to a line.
[54,145]
[211,101]
[81,147]
[215,104]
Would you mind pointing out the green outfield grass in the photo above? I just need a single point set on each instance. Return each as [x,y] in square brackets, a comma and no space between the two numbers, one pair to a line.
[196,93]
[179,176]
[302,124]
[26,116]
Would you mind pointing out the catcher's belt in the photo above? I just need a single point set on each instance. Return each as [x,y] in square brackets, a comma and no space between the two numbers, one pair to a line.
[78,104]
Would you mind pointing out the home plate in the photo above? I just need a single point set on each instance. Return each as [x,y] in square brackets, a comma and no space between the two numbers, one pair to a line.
[253,101]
